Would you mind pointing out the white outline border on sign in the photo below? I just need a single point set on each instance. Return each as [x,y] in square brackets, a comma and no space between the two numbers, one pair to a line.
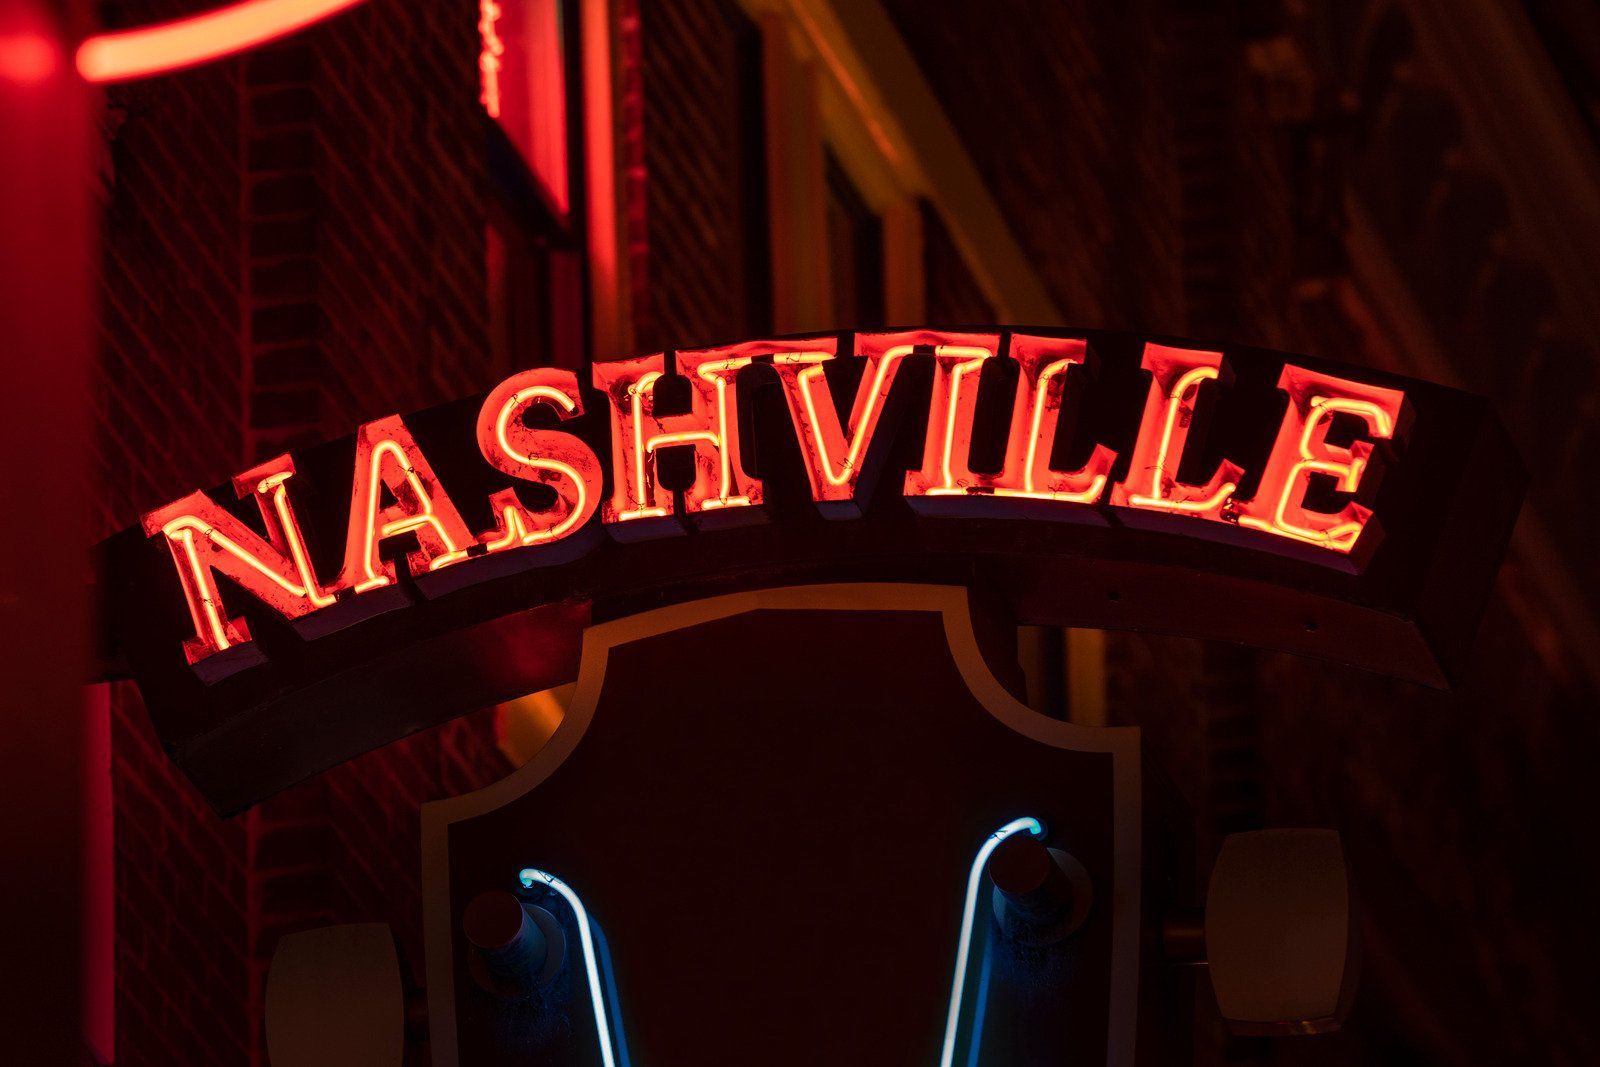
[952,604]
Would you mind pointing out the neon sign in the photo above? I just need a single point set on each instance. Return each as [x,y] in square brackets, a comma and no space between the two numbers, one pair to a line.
[1309,495]
[612,1051]
[969,909]
[489,56]
[1084,478]
[186,42]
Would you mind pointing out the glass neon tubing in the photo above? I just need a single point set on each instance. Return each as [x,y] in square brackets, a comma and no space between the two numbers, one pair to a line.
[968,913]
[209,35]
[529,876]
[985,971]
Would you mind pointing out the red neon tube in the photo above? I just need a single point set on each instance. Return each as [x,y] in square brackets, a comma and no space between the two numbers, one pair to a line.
[185,42]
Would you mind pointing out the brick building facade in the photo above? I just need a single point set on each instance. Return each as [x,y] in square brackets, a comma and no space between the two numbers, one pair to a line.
[291,246]
[306,237]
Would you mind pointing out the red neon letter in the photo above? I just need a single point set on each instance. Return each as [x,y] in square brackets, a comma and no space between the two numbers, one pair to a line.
[957,361]
[205,539]
[489,56]
[388,458]
[711,427]
[1043,363]
[1176,375]
[551,458]
[1302,449]
[834,462]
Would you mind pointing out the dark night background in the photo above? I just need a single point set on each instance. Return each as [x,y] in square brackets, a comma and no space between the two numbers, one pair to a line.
[331,229]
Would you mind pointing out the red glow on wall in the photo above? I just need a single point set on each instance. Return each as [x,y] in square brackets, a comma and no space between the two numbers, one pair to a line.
[27,58]
[522,68]
[99,887]
[186,42]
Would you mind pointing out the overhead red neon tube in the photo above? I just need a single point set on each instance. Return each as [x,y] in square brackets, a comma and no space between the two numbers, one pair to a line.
[185,42]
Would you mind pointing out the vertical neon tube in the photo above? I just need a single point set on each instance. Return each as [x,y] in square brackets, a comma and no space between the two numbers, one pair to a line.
[529,877]
[968,913]
[985,970]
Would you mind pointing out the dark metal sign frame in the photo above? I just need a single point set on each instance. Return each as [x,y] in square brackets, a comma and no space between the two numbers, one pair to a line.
[498,626]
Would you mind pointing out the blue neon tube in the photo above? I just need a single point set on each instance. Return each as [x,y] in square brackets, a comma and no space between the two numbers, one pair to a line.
[968,913]
[531,876]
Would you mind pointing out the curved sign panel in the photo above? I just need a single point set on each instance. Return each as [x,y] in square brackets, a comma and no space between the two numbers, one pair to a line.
[331,601]
[846,814]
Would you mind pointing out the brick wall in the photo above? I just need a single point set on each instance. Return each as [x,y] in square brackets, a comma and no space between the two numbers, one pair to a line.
[182,912]
[290,246]
[401,244]
[951,295]
[168,402]
[705,179]
[1082,162]
[1485,286]
[346,845]
[1186,167]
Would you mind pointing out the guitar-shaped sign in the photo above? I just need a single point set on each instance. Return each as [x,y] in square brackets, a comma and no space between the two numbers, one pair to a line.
[808,857]
[762,834]
[814,825]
